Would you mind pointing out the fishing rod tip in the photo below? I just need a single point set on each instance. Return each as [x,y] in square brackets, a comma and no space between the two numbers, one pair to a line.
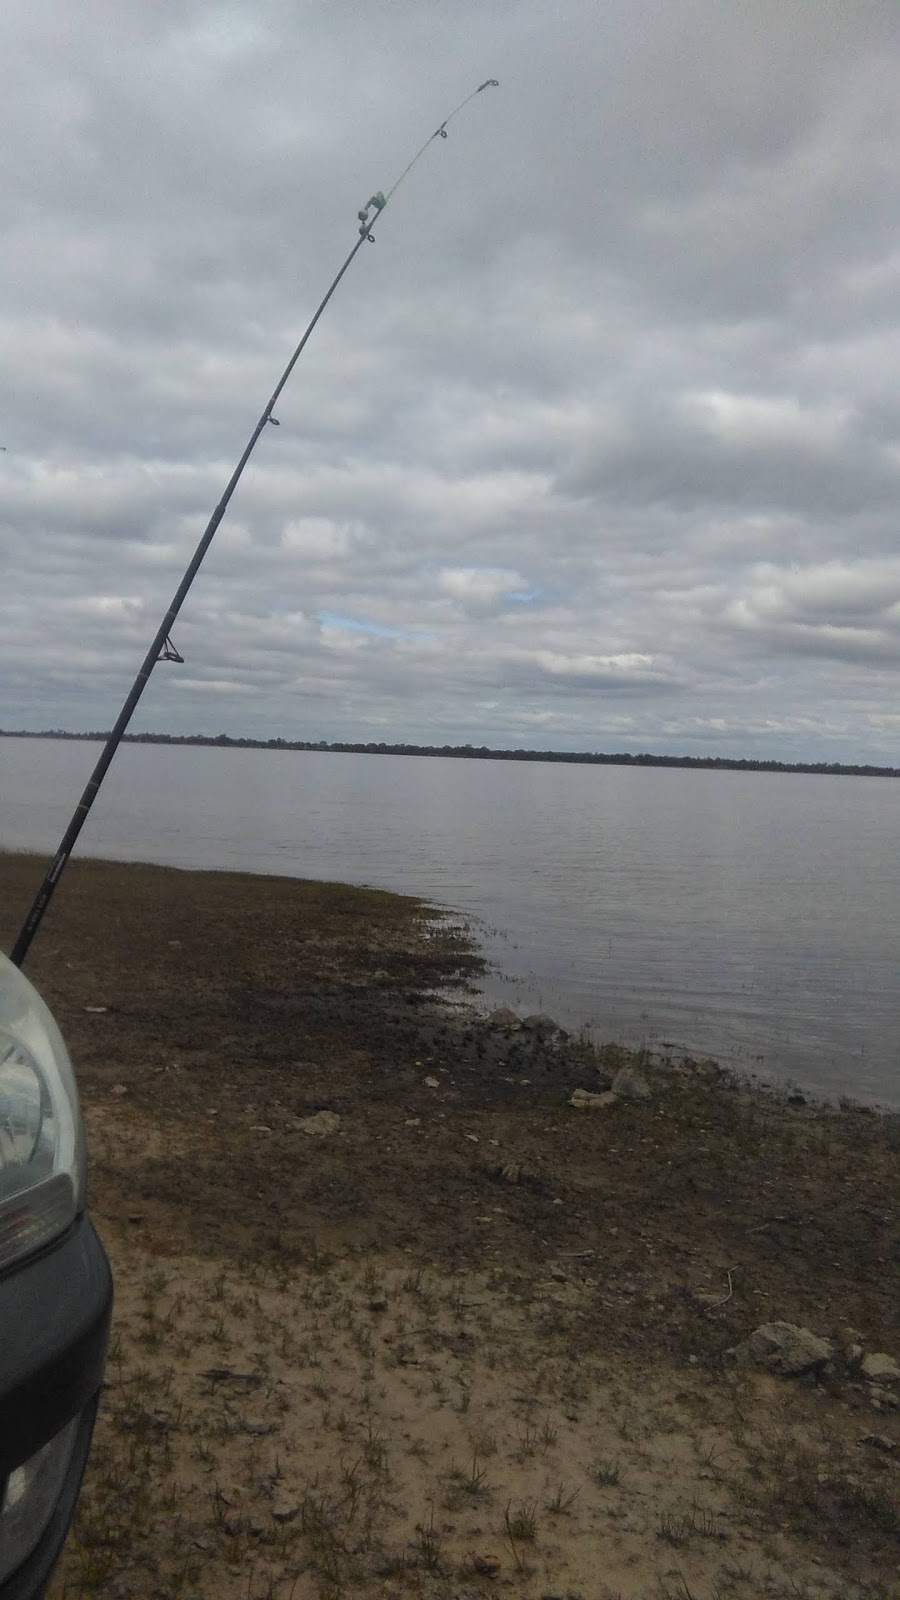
[489,83]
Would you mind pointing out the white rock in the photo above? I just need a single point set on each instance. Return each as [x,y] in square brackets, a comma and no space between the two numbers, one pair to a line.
[324,1122]
[785,1348]
[879,1368]
[593,1102]
[285,1509]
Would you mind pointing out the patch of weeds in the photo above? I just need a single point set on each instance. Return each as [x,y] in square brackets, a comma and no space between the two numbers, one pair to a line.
[681,1592]
[606,1473]
[735,1572]
[562,1502]
[528,1440]
[429,1545]
[677,1529]
[521,1528]
[522,1523]
[372,1282]
[483,1441]
[473,1480]
[549,1433]
[375,1452]
[708,1461]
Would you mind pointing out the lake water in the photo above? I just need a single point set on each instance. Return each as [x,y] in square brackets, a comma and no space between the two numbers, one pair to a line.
[750,916]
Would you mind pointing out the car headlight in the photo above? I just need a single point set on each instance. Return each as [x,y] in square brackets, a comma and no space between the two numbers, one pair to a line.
[42,1148]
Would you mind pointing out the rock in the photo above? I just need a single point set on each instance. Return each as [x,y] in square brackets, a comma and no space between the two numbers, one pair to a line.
[486,1566]
[878,1441]
[432,1083]
[629,1085]
[118,1090]
[509,1172]
[593,1102]
[538,1022]
[503,1018]
[285,1510]
[324,1122]
[784,1348]
[707,1068]
[880,1368]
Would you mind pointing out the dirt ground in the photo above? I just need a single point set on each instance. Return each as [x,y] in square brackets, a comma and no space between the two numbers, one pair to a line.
[457,1337]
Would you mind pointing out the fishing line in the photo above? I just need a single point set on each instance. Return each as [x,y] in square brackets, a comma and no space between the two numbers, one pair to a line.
[162,648]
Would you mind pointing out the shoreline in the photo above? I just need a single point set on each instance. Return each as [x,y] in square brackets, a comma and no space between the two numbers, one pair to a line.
[495,991]
[375,1252]
[467,752]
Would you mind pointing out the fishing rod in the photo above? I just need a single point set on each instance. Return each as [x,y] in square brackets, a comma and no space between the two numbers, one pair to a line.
[162,648]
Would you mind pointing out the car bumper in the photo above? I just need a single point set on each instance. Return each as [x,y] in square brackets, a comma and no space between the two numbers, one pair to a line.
[54,1329]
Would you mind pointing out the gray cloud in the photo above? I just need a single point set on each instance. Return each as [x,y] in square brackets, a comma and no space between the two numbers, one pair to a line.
[598,445]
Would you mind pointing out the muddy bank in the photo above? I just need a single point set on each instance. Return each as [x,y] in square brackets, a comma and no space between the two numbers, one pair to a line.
[214,1018]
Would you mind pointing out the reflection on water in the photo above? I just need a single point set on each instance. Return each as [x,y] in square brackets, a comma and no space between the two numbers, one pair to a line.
[751,916]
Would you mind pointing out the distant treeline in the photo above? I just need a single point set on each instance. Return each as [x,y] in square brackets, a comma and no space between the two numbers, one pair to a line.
[473,752]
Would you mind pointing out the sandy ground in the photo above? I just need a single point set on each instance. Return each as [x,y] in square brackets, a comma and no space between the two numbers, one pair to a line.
[456,1337]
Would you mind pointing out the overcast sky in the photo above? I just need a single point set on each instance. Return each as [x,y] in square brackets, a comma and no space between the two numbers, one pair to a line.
[598,446]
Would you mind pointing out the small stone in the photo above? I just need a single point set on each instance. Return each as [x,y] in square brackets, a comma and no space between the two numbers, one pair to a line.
[878,1441]
[629,1085]
[593,1102]
[879,1368]
[285,1510]
[537,1022]
[433,1083]
[118,1090]
[707,1068]
[503,1018]
[472,1137]
[485,1566]
[511,1172]
[784,1348]
[98,1011]
[323,1123]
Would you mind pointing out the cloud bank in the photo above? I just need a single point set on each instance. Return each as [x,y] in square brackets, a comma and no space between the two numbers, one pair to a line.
[597,447]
